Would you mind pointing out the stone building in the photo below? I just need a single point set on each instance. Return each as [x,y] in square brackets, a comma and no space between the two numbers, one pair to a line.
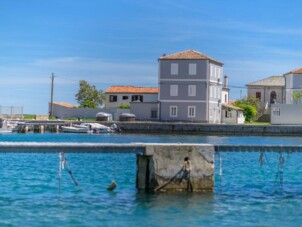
[190,87]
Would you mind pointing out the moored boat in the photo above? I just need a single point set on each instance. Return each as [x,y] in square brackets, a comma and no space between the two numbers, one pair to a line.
[72,129]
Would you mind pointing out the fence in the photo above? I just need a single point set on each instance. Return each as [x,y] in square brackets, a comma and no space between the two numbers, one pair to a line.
[11,112]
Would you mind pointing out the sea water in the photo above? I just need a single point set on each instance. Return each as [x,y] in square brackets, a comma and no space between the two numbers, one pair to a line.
[246,194]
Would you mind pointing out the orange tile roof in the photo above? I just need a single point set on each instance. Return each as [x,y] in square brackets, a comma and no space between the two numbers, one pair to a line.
[188,55]
[64,104]
[295,71]
[132,90]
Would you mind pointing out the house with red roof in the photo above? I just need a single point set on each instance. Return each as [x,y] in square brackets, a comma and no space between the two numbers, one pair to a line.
[190,87]
[117,95]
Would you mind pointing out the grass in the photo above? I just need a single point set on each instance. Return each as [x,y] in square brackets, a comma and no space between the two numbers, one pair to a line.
[258,123]
[29,116]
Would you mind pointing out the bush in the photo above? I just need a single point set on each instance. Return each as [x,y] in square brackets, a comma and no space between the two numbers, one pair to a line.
[250,112]
[124,106]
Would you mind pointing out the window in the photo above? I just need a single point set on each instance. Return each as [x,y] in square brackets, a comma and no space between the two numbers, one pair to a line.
[273,98]
[125,97]
[218,93]
[112,98]
[137,98]
[192,90]
[211,71]
[218,72]
[173,90]
[276,111]
[258,95]
[191,111]
[211,92]
[228,113]
[192,69]
[215,92]
[173,111]
[174,69]
[154,114]
[215,71]
[225,98]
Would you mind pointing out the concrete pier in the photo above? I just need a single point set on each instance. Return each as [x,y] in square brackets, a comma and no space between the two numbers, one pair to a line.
[161,168]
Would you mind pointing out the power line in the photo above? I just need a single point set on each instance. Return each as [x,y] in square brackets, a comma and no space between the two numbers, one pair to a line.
[233,86]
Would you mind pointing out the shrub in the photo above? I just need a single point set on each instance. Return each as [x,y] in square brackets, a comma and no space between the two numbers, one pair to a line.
[124,106]
[250,112]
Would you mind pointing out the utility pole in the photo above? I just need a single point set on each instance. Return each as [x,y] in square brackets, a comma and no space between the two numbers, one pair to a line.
[51,95]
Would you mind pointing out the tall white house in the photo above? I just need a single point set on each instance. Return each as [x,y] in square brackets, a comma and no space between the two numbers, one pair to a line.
[293,82]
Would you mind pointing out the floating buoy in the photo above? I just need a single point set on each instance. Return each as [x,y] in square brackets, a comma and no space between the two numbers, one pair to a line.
[112,186]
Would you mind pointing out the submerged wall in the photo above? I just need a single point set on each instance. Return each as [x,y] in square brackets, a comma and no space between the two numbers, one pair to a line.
[160,168]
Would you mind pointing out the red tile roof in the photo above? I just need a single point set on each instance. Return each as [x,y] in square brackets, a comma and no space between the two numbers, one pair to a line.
[65,104]
[132,90]
[295,71]
[188,55]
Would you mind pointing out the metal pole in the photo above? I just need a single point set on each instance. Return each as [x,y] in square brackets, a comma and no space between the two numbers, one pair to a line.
[51,96]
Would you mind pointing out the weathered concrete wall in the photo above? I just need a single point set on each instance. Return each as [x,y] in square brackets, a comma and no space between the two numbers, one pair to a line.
[143,110]
[209,129]
[160,168]
[67,112]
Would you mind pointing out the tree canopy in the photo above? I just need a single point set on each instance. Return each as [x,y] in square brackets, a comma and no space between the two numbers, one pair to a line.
[250,100]
[250,106]
[297,95]
[88,96]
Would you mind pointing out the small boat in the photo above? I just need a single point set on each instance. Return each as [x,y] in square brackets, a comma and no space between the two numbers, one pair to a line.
[5,127]
[97,128]
[90,128]
[72,129]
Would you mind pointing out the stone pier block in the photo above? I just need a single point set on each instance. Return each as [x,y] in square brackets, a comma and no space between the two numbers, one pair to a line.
[160,167]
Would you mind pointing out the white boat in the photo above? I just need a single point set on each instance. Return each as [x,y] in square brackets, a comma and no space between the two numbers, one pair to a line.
[97,128]
[7,126]
[72,129]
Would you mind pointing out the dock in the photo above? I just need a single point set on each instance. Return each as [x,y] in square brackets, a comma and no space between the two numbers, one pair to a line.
[134,148]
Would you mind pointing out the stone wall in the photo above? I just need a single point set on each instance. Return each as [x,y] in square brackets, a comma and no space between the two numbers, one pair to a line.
[209,129]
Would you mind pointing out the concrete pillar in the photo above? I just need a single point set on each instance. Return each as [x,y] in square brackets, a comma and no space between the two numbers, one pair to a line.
[41,128]
[160,167]
[57,128]
[25,129]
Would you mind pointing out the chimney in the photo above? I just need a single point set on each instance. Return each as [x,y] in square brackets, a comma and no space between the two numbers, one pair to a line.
[225,81]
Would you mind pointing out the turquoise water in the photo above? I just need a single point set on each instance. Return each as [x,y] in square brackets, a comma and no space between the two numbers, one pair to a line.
[246,194]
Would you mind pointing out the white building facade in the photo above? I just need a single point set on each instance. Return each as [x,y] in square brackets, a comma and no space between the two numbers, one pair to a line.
[118,95]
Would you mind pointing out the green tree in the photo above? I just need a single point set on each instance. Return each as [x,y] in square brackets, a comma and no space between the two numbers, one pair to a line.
[297,95]
[250,100]
[88,96]
[250,105]
[250,112]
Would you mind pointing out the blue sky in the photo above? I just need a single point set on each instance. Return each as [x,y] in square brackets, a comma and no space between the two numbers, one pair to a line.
[118,42]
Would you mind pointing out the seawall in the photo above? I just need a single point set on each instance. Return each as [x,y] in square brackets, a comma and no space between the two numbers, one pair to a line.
[208,129]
